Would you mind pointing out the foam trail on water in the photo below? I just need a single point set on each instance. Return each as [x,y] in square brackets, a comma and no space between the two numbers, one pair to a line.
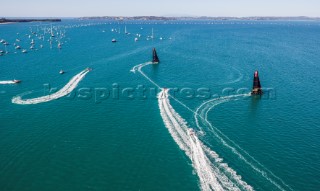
[68,88]
[205,162]
[202,112]
[174,126]
[210,174]
[138,68]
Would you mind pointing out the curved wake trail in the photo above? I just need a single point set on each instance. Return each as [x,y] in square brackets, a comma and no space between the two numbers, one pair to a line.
[7,82]
[202,113]
[68,88]
[212,172]
[138,68]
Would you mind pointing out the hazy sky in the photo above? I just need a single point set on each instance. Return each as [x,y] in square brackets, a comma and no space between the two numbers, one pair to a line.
[76,8]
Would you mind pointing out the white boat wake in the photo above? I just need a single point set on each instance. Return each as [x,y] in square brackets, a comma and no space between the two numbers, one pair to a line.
[138,68]
[68,88]
[212,172]
[201,114]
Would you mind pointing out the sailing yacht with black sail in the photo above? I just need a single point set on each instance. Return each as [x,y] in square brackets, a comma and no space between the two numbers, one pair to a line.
[155,59]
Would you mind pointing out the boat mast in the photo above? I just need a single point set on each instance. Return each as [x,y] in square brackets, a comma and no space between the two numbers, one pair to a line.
[152,33]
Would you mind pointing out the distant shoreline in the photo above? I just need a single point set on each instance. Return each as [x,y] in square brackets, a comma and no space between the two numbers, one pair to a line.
[155,18]
[8,21]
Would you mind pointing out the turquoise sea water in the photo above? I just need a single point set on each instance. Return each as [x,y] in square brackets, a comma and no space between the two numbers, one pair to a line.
[87,142]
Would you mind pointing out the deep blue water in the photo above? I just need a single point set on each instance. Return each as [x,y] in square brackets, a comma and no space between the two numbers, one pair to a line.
[93,143]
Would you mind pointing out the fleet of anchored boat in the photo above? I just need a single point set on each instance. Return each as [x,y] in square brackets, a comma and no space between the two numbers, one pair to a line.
[36,39]
[137,36]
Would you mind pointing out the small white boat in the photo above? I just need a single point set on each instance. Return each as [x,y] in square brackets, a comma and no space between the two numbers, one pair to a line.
[114,40]
[18,47]
[136,39]
[190,131]
[16,81]
[61,72]
[24,51]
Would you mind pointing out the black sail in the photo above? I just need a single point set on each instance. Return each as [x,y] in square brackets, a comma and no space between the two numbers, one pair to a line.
[256,80]
[155,58]
[256,90]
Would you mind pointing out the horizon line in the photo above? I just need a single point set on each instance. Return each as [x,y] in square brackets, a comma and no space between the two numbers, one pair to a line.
[159,16]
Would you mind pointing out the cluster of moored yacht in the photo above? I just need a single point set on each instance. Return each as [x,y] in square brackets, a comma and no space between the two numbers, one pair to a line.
[5,43]
[137,36]
[51,35]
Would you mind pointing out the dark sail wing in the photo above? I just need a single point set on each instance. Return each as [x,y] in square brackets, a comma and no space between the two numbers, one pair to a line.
[256,80]
[256,90]
[155,56]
